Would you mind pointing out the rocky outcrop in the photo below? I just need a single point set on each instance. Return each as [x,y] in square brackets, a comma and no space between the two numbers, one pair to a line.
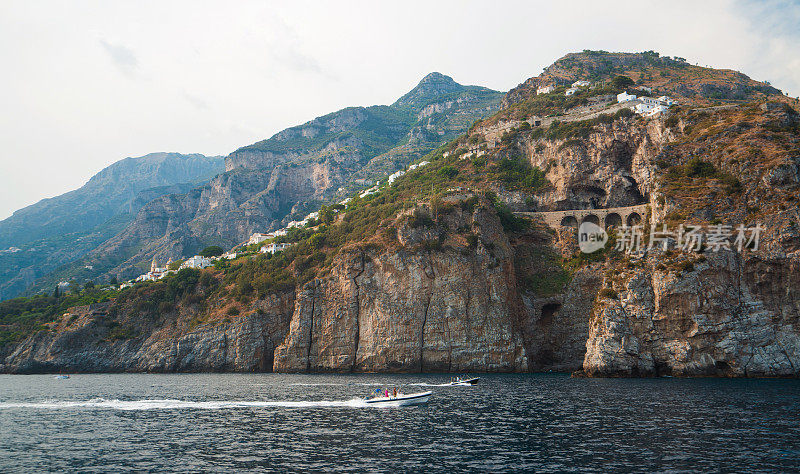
[727,314]
[409,310]
[87,340]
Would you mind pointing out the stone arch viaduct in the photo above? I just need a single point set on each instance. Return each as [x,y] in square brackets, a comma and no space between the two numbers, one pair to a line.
[612,216]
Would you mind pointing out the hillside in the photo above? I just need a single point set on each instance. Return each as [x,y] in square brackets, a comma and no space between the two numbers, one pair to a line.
[278,179]
[58,230]
[454,268]
[669,75]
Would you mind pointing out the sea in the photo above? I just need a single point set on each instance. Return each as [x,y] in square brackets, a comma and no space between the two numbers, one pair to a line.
[312,423]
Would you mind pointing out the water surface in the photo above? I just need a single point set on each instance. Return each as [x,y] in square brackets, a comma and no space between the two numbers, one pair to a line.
[220,422]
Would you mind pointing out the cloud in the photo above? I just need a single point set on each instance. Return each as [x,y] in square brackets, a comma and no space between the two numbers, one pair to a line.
[286,47]
[122,56]
[195,101]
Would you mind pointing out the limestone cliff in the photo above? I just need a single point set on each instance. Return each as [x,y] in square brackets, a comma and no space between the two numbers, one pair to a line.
[436,273]
[410,310]
[728,315]
[93,339]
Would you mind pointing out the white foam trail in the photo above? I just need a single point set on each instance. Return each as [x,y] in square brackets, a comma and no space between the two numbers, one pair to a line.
[169,404]
[375,384]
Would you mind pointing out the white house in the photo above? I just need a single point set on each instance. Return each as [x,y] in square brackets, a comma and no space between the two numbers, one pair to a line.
[258,238]
[571,91]
[368,192]
[230,255]
[196,262]
[273,247]
[644,108]
[421,164]
[625,97]
[545,90]
[650,106]
[396,175]
[581,84]
[657,110]
[649,90]
[666,100]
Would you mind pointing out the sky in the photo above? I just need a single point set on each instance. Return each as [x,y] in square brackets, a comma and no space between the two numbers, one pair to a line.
[86,83]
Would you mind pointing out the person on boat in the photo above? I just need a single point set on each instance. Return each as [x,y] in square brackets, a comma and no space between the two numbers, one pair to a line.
[387,392]
[394,392]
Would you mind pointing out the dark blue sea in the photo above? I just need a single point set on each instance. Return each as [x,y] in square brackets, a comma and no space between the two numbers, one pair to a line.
[507,423]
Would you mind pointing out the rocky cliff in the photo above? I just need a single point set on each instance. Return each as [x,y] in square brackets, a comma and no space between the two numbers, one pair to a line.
[105,338]
[436,273]
[408,309]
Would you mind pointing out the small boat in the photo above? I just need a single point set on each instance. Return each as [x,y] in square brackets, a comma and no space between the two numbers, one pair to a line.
[62,376]
[401,400]
[465,381]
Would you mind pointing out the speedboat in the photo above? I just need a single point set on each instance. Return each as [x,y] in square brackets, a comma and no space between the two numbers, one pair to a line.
[401,400]
[465,381]
[62,376]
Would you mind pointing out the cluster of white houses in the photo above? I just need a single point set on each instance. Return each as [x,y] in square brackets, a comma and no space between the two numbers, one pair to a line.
[576,86]
[156,272]
[393,177]
[570,91]
[647,106]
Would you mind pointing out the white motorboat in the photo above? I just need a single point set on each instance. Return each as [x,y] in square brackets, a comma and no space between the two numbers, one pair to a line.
[401,400]
[62,376]
[460,381]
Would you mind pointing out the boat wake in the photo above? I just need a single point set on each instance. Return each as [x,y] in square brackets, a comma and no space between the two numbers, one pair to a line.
[169,404]
[375,384]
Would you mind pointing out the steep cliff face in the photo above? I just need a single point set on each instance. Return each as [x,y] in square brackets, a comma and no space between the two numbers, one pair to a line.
[93,339]
[409,310]
[730,315]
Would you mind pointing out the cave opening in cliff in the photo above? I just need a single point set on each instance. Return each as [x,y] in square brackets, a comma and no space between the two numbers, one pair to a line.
[549,311]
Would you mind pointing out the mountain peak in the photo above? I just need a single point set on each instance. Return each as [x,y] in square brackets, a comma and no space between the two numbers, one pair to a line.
[437,77]
[429,88]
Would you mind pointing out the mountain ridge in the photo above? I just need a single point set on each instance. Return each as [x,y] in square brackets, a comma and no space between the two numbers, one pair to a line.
[57,230]
[269,181]
[440,271]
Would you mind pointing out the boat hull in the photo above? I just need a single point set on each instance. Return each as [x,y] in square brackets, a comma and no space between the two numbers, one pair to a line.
[401,401]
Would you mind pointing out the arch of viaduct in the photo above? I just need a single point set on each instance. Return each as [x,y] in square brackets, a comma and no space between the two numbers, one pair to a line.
[611,216]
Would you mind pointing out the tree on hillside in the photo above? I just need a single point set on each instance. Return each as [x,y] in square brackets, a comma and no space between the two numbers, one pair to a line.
[621,82]
[212,251]
[326,214]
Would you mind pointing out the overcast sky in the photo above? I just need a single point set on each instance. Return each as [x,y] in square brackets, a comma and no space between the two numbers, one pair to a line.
[84,84]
